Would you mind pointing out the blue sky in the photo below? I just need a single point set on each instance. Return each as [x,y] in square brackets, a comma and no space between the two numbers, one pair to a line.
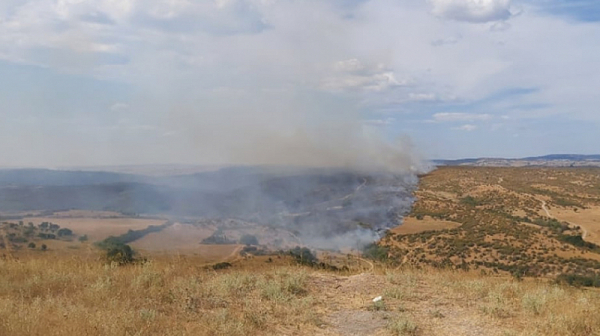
[289,82]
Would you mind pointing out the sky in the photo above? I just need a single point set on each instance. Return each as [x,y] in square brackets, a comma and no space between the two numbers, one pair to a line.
[286,81]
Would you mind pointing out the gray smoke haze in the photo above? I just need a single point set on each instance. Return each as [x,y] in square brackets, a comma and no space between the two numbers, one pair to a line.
[268,87]
[282,128]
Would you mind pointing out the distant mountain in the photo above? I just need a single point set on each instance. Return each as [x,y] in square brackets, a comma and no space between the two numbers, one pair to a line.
[571,157]
[47,177]
[554,160]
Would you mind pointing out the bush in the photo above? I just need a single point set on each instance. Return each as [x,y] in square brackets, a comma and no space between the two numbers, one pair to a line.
[218,239]
[31,245]
[470,201]
[376,252]
[221,265]
[578,241]
[130,236]
[117,251]
[83,238]
[304,256]
[120,254]
[579,280]
[64,232]
[44,247]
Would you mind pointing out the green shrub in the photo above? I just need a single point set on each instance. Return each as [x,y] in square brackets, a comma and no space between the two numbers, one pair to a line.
[121,254]
[221,265]
[470,201]
[64,232]
[579,280]
[376,252]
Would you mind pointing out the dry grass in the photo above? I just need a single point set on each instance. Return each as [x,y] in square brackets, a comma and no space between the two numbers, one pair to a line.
[57,294]
[98,228]
[411,225]
[54,295]
[526,308]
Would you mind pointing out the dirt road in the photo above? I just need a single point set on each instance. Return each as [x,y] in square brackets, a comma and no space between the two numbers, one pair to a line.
[584,232]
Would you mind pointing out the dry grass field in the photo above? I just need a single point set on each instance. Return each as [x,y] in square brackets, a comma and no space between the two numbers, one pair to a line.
[520,221]
[97,228]
[52,293]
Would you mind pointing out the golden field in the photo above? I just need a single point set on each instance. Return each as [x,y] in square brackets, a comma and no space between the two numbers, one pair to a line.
[52,293]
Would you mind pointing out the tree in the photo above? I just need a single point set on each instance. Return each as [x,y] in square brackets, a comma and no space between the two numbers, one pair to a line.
[249,240]
[44,247]
[64,232]
[31,245]
[121,254]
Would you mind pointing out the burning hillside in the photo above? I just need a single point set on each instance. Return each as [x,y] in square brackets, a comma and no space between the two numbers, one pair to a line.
[324,208]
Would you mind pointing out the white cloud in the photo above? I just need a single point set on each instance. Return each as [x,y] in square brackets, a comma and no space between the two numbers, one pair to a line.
[186,64]
[476,11]
[422,97]
[466,128]
[352,74]
[453,117]
[379,122]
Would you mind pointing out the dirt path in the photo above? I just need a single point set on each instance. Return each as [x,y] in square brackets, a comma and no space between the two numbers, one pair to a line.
[234,255]
[546,209]
[371,265]
[350,310]
[584,232]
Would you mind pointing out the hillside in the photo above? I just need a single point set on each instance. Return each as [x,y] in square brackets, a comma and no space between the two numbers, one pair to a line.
[520,221]
[484,251]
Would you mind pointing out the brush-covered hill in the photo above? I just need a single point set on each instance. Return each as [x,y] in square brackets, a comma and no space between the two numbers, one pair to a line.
[520,221]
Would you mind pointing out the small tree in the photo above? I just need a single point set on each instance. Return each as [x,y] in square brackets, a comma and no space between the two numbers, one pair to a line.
[121,254]
[44,247]
[31,245]
[64,232]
